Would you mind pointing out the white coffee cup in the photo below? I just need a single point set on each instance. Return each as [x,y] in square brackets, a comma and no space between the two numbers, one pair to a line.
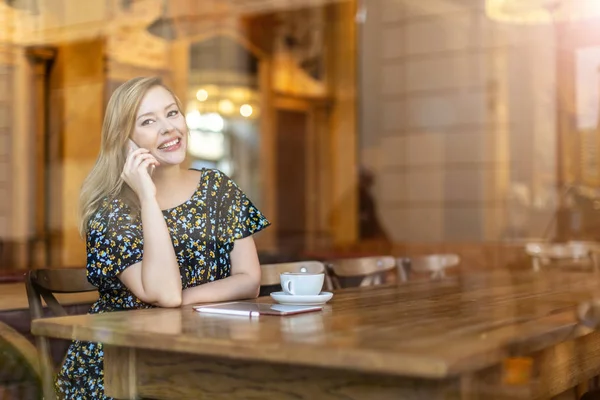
[302,283]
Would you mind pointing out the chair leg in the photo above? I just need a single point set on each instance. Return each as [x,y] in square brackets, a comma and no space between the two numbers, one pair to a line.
[335,283]
[367,281]
[536,264]
[402,273]
[328,282]
[47,369]
[594,260]
[438,274]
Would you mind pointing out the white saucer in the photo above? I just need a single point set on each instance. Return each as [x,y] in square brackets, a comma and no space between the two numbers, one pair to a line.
[314,300]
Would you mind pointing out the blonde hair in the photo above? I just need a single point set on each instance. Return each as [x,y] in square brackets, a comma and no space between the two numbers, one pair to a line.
[104,182]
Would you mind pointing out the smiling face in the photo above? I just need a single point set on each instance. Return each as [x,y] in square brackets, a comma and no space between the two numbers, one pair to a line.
[160,127]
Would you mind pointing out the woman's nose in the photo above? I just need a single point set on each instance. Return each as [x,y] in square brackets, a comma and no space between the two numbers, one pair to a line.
[165,127]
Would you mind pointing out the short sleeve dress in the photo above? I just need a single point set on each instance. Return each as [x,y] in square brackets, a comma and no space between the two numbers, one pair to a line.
[203,231]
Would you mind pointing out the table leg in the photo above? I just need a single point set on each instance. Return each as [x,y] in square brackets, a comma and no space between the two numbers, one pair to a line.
[120,374]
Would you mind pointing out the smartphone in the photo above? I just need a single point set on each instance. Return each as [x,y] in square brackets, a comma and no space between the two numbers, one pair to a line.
[134,147]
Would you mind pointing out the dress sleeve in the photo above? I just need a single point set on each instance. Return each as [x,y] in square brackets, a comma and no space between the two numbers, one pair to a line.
[114,242]
[238,217]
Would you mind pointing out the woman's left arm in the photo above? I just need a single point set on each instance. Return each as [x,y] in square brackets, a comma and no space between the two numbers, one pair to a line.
[244,282]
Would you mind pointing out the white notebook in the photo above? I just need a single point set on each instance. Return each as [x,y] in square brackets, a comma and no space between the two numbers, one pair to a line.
[248,309]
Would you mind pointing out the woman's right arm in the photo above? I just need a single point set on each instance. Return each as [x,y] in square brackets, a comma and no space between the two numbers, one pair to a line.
[156,279]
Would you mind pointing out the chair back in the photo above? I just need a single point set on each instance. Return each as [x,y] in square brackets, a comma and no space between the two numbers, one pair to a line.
[271,272]
[360,271]
[434,264]
[42,284]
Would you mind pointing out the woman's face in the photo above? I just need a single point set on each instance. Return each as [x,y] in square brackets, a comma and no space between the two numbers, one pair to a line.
[160,127]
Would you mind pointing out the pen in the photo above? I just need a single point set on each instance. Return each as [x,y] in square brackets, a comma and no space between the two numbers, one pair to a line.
[228,312]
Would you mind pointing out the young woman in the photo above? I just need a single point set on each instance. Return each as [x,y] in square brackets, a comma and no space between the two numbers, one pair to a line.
[156,234]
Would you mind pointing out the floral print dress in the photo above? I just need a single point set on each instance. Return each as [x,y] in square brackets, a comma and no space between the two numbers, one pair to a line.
[203,231]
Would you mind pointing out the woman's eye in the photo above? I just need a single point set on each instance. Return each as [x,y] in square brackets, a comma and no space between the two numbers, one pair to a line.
[146,122]
[173,113]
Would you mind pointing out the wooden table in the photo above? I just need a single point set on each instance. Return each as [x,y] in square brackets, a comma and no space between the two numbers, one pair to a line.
[465,337]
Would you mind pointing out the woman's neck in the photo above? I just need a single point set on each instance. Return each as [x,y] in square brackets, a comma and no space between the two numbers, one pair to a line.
[168,177]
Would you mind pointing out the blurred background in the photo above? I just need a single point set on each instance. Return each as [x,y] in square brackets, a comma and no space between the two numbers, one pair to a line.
[358,127]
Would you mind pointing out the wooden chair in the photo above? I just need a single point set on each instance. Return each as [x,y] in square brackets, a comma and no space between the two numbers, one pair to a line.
[433,264]
[41,284]
[593,249]
[572,255]
[271,272]
[20,375]
[360,271]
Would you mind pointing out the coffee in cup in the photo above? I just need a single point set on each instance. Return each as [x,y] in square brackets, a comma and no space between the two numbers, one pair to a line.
[302,283]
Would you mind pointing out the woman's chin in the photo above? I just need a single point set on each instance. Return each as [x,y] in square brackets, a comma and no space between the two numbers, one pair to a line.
[174,158]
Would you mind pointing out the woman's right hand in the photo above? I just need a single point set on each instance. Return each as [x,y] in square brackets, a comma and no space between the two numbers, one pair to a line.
[136,173]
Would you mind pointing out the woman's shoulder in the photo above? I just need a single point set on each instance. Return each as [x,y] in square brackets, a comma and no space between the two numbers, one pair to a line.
[214,178]
[210,174]
[110,211]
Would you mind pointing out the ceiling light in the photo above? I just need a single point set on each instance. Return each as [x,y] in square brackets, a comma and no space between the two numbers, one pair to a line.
[246,110]
[202,95]
[163,27]
[226,106]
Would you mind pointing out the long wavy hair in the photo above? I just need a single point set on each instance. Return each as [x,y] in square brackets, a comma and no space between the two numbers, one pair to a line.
[104,182]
